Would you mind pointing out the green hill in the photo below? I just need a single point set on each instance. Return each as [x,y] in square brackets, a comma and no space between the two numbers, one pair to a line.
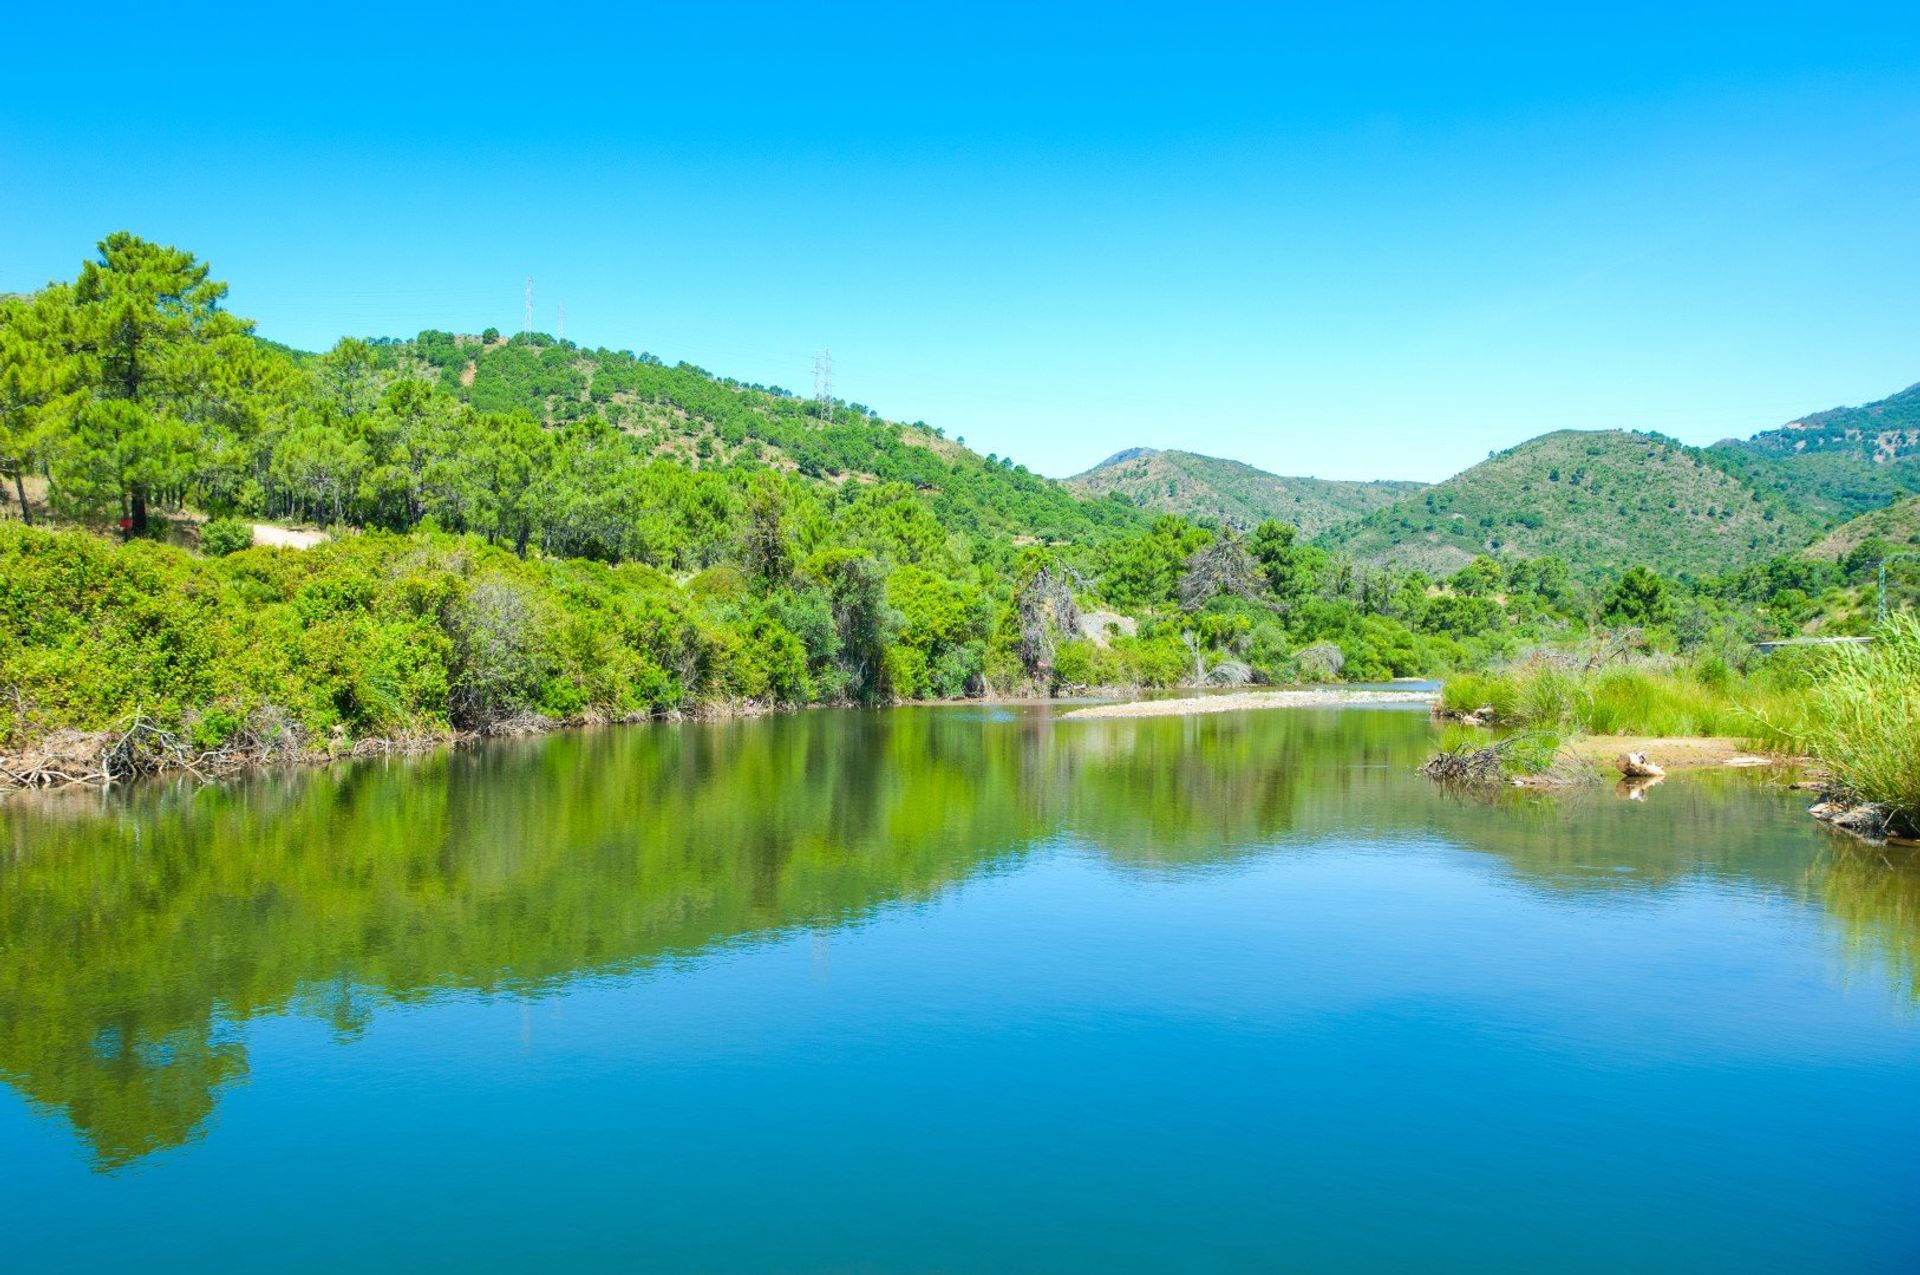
[686,414]
[1897,525]
[1600,500]
[1839,463]
[1198,486]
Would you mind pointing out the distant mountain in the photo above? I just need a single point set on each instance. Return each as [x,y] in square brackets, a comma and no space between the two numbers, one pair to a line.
[1208,487]
[1898,525]
[1600,500]
[1839,463]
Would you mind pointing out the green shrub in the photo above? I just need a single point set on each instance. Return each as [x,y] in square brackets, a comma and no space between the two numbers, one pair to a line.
[1547,696]
[907,671]
[222,536]
[1074,664]
[1471,692]
[1863,720]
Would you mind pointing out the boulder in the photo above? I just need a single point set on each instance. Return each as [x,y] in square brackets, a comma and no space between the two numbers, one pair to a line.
[1639,766]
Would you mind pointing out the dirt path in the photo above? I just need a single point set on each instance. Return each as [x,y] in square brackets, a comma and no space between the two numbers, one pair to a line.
[1252,699]
[286,537]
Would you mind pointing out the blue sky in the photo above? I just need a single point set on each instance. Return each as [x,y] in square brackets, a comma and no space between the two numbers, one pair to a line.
[1375,244]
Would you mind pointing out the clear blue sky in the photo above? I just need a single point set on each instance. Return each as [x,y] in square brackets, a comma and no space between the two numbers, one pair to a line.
[1363,245]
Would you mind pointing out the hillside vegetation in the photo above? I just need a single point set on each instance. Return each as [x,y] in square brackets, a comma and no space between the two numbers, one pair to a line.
[1597,500]
[521,532]
[1872,534]
[683,414]
[1839,463]
[1228,491]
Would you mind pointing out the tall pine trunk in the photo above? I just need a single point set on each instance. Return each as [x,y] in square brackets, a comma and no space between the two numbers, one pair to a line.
[20,490]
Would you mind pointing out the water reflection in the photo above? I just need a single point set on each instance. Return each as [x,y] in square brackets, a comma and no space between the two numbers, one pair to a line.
[138,930]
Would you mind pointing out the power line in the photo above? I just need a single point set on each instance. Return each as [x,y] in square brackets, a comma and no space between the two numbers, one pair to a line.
[528,325]
[823,383]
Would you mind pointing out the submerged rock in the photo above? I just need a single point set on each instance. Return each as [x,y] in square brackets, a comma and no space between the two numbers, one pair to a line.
[1866,818]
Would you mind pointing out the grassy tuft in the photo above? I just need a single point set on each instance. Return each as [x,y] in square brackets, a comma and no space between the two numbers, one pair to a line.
[1707,698]
[1863,718]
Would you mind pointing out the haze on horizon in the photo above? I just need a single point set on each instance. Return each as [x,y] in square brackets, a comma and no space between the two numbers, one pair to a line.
[1352,247]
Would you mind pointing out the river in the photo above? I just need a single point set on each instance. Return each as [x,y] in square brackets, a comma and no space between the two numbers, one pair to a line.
[971,988]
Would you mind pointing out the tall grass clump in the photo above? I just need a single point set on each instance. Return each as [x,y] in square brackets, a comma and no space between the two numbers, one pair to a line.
[1863,718]
[1636,701]
[1470,692]
[1657,698]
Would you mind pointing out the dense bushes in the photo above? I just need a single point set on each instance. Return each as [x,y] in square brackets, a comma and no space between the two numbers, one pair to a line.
[1863,721]
[379,635]
[1854,708]
[222,536]
[1649,697]
[526,529]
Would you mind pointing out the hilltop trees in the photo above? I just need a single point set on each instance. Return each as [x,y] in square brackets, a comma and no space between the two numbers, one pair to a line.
[1639,597]
[528,529]
[132,388]
[145,335]
[36,381]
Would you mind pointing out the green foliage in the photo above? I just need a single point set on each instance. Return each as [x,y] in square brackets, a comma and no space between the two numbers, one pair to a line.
[1706,697]
[1862,542]
[526,529]
[222,536]
[1840,463]
[1599,501]
[1478,579]
[1864,721]
[1470,692]
[1144,571]
[1638,597]
[380,635]
[1226,491]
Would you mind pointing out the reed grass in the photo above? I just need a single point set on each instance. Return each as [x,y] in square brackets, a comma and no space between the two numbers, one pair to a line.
[1855,709]
[1705,697]
[1863,718]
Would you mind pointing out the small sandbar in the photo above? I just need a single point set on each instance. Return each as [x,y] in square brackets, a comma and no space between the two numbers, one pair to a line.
[1671,752]
[1241,700]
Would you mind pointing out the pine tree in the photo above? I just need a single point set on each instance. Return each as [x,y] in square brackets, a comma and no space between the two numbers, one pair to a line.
[148,332]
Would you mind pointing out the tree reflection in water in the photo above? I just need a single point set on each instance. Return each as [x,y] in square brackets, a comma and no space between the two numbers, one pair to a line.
[140,930]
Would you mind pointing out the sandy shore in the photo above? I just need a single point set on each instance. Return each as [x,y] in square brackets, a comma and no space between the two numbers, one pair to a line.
[1674,752]
[1252,699]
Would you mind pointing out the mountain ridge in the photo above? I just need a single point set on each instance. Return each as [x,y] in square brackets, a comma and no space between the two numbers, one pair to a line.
[1838,463]
[1897,526]
[1172,480]
[1600,499]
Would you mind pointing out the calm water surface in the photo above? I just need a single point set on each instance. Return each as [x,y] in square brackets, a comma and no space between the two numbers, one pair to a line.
[955,989]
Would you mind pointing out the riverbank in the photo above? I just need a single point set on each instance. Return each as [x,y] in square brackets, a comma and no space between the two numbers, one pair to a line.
[1854,710]
[1243,700]
[1672,752]
[137,747]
